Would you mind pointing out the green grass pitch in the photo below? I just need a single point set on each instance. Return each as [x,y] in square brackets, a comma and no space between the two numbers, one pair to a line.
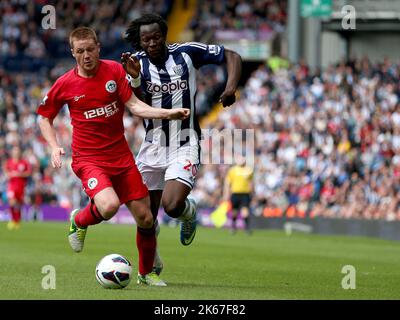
[218,265]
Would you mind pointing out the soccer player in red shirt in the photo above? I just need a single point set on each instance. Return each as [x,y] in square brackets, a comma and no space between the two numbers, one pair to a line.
[17,170]
[96,92]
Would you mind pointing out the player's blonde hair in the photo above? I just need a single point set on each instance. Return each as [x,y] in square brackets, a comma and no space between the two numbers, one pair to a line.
[82,33]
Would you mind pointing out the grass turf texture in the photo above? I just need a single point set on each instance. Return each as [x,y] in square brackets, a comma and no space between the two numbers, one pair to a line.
[218,265]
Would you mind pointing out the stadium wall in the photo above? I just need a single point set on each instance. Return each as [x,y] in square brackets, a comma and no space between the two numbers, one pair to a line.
[333,48]
[376,45]
[389,230]
[325,41]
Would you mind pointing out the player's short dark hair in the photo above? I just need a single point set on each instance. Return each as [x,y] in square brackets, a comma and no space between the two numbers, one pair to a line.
[82,33]
[132,34]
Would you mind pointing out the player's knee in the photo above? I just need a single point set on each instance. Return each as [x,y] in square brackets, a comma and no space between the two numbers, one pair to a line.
[174,207]
[109,209]
[144,219]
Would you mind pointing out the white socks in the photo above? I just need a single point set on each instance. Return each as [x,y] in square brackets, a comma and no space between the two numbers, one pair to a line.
[187,214]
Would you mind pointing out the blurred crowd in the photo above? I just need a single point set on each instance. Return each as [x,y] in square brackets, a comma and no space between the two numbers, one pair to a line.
[326,143]
[216,21]
[26,45]
[257,16]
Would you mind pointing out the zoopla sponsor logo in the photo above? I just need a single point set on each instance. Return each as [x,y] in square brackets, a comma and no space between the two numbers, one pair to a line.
[167,87]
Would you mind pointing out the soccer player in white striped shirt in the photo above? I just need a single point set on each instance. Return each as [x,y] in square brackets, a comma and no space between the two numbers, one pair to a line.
[164,75]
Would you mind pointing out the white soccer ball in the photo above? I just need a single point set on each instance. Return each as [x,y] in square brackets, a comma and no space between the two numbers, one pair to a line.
[114,271]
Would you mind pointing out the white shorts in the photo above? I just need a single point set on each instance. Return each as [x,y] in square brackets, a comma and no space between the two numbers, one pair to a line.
[160,164]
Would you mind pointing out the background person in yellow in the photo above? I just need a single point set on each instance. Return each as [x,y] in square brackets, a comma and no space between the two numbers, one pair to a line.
[238,189]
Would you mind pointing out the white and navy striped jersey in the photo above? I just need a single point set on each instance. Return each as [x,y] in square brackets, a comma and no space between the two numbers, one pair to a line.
[173,85]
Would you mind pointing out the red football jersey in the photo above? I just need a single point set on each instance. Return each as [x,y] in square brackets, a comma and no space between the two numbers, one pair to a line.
[96,107]
[19,166]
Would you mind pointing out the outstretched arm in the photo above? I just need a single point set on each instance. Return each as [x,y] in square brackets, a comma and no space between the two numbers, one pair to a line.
[49,134]
[234,68]
[143,110]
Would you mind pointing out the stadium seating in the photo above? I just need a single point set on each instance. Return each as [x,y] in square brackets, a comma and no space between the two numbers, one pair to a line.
[326,144]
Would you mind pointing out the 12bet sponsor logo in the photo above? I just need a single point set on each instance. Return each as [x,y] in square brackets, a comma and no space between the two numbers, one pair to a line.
[106,111]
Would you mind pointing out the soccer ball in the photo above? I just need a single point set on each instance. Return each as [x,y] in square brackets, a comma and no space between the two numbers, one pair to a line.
[114,271]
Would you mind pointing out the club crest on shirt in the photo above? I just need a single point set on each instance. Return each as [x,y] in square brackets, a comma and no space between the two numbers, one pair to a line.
[213,49]
[111,86]
[92,183]
[178,69]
